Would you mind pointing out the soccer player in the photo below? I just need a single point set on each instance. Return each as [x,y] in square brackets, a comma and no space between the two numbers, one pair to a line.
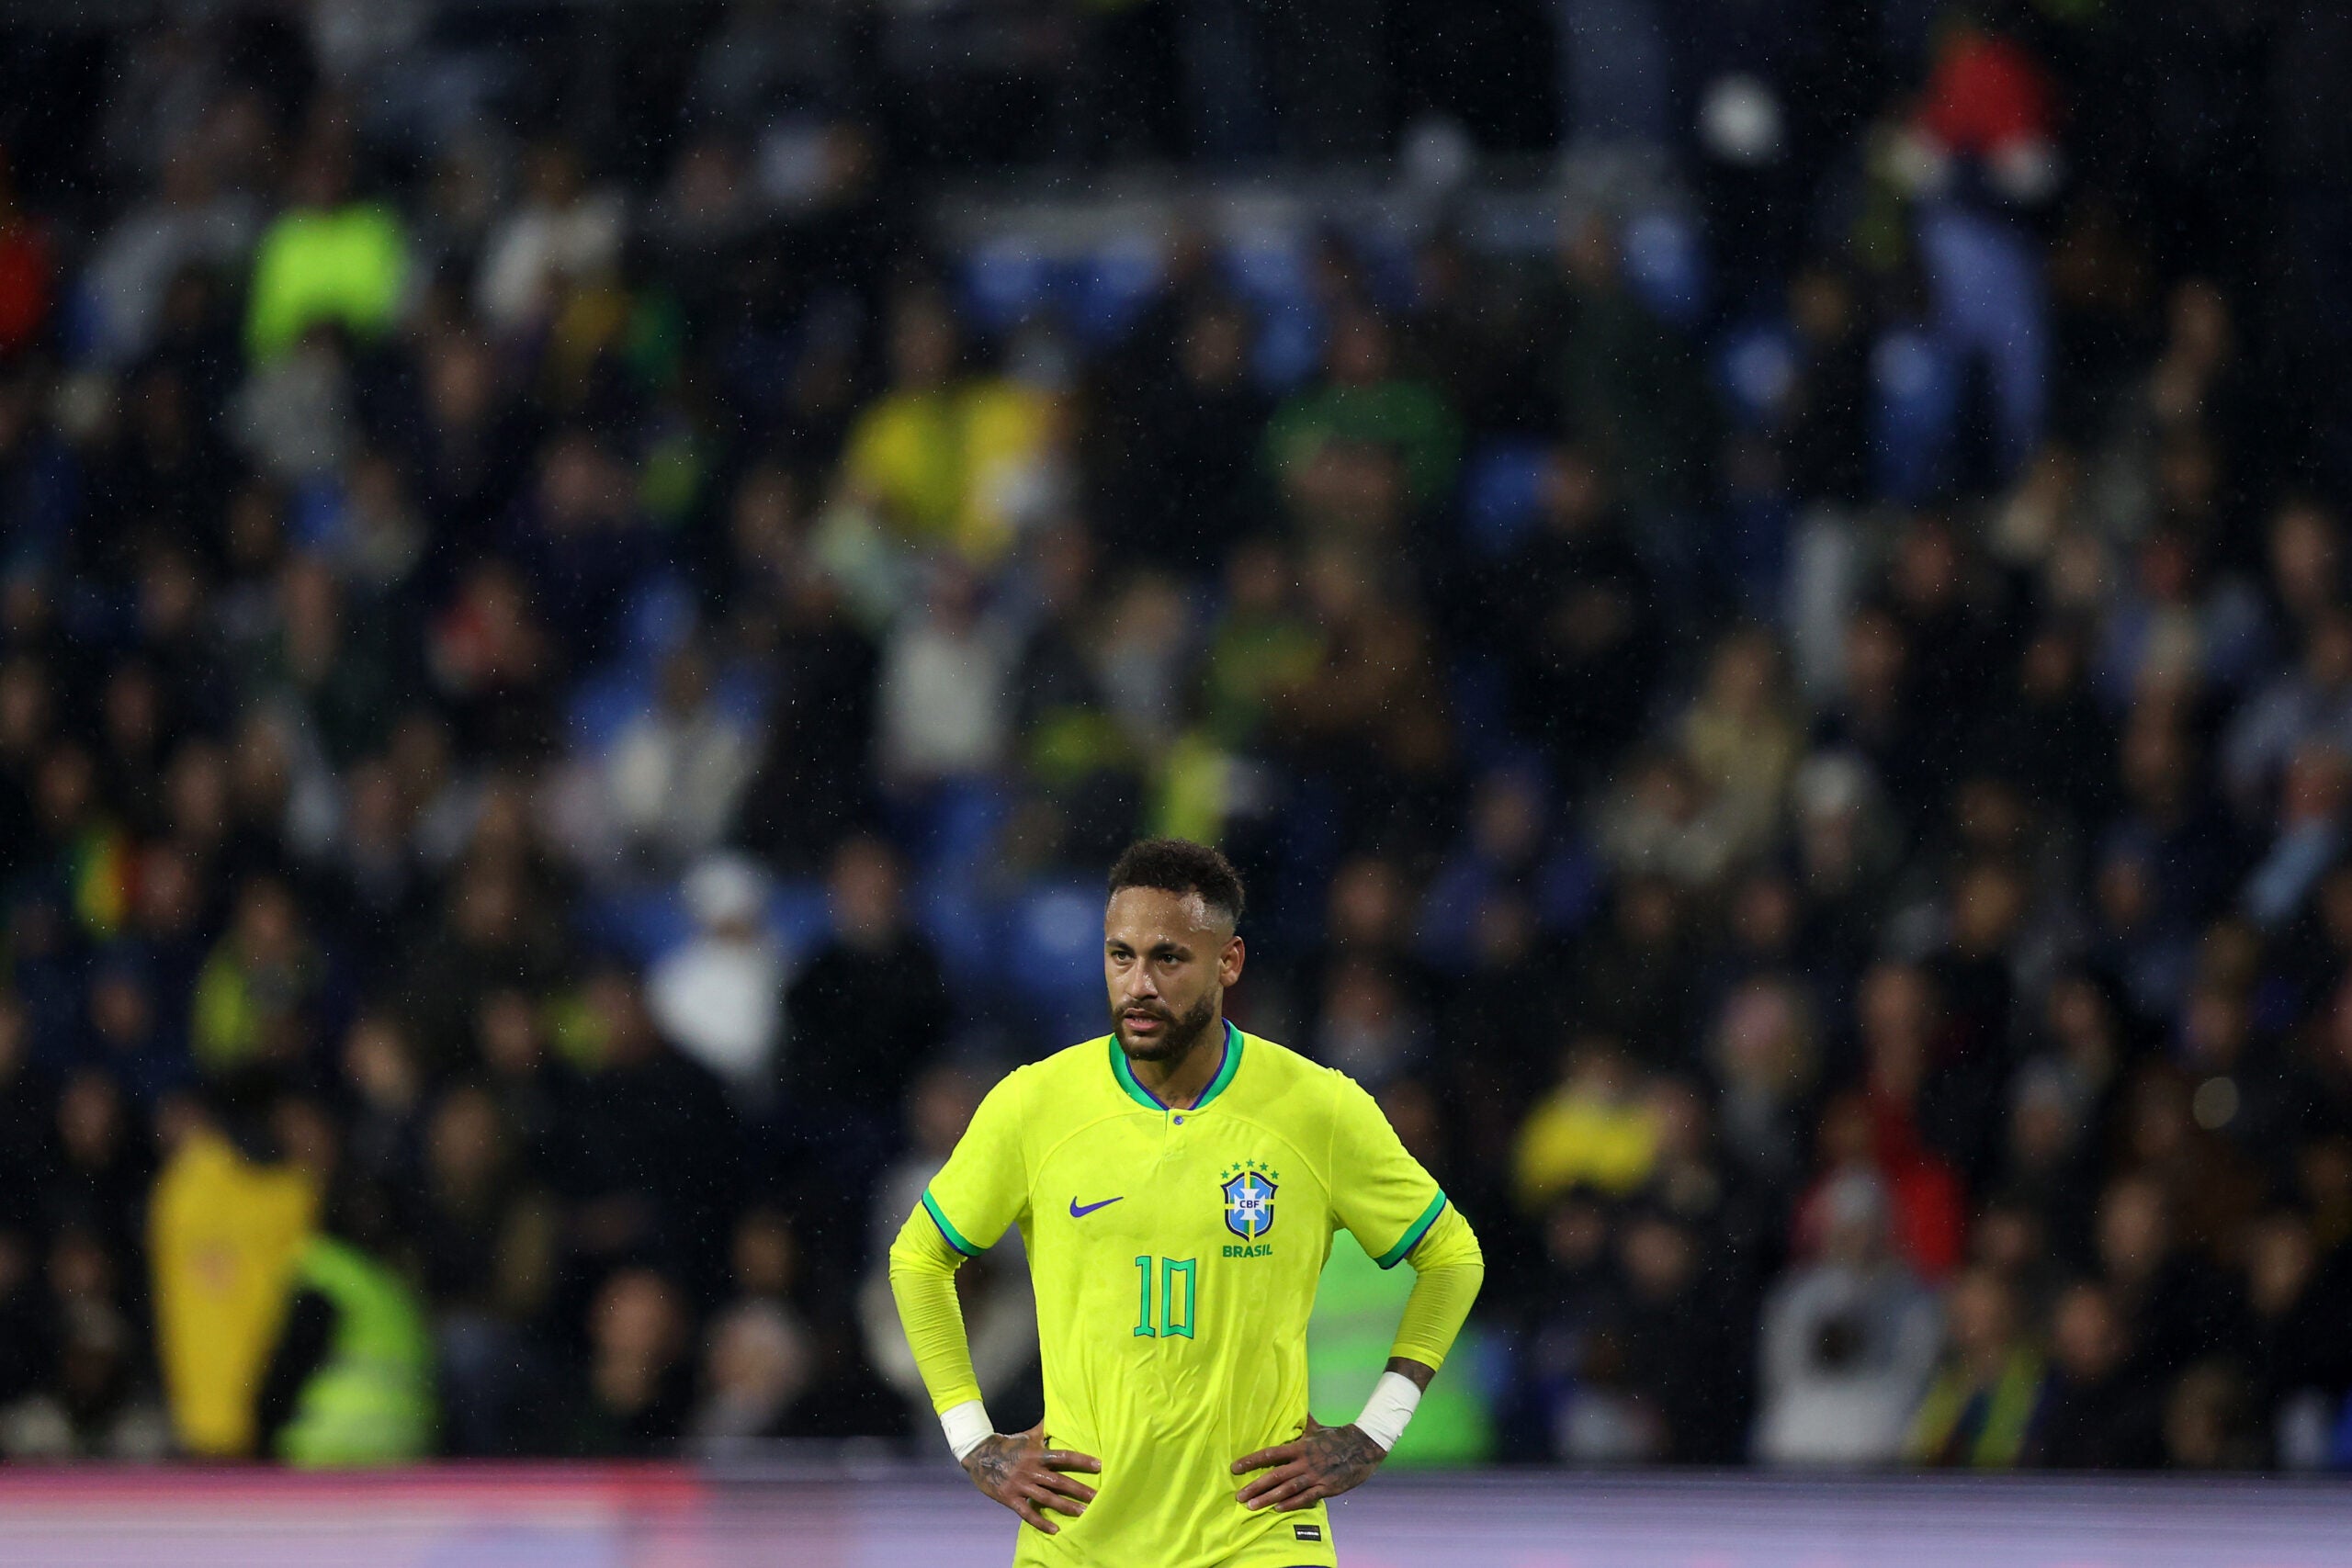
[1177,1185]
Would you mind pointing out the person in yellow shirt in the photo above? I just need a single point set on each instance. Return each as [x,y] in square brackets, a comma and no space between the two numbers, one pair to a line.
[227,1226]
[1595,1131]
[948,460]
[327,259]
[1177,1185]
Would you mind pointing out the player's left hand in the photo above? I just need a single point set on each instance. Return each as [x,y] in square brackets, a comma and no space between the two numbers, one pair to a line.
[1322,1461]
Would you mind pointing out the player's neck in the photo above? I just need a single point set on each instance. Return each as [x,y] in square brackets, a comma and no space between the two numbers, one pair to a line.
[1180,1082]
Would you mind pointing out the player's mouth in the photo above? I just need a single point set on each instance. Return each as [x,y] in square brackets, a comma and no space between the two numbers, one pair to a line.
[1139,1022]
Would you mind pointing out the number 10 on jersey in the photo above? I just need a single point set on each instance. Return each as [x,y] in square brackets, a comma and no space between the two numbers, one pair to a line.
[1171,1298]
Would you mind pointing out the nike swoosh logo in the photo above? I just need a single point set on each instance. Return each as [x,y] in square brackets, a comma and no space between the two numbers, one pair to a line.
[1078,1214]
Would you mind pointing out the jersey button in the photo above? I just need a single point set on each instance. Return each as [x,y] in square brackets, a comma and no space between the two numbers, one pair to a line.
[1179,1121]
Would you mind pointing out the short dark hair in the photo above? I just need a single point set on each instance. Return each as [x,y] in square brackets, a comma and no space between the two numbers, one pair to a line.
[1182,866]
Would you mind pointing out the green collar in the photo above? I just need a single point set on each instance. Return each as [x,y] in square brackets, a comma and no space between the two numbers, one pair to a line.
[1150,1101]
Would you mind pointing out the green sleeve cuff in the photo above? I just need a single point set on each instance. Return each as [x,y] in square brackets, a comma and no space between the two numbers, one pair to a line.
[956,1237]
[1413,1233]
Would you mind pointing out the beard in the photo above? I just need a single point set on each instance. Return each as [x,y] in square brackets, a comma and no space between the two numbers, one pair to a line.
[1181,1035]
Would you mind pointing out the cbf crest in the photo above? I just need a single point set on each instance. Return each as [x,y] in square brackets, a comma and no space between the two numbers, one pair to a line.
[1250,1198]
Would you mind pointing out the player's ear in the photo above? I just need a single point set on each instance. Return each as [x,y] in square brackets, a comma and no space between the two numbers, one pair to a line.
[1229,962]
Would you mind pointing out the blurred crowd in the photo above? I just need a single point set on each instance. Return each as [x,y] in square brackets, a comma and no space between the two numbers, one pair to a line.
[568,677]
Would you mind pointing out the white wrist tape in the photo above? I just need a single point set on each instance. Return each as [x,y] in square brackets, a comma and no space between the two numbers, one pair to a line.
[1390,1406]
[968,1427]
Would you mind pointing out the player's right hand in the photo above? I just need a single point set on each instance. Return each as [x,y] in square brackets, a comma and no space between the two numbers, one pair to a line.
[1019,1470]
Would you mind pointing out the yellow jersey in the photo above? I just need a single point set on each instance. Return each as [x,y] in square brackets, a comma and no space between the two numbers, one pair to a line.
[955,466]
[1175,1255]
[225,1237]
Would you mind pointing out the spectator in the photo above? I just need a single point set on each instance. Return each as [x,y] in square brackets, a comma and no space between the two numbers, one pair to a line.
[2291,1293]
[1624,381]
[27,273]
[1664,823]
[756,1368]
[327,665]
[1175,451]
[2310,802]
[2312,703]
[386,1085]
[254,991]
[2053,741]
[1764,1059]
[376,540]
[1581,626]
[493,935]
[1680,1357]
[190,223]
[2179,625]
[494,665]
[327,259]
[2209,1421]
[1630,974]
[128,1040]
[560,236]
[486,1240]
[351,1380]
[1592,1132]
[2180,1305]
[229,1218]
[812,784]
[1849,1343]
[947,460]
[105,1165]
[1985,1402]
[1081,753]
[1503,849]
[1363,401]
[1983,141]
[293,417]
[1823,428]
[2305,560]
[675,776]
[510,1033]
[721,997]
[1264,643]
[1370,717]
[372,877]
[466,451]
[945,698]
[1367,1026]
[581,543]
[636,1398]
[864,1016]
[650,1157]
[2047,1164]
[2100,1415]
[1740,739]
[1908,1095]
[100,1408]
